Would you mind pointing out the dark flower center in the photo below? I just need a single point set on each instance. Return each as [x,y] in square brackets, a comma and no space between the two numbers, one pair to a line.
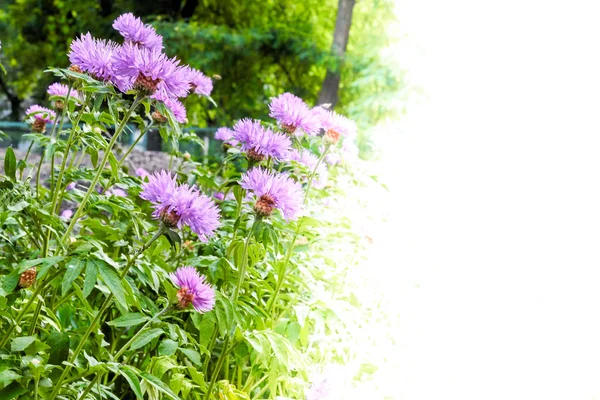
[185,297]
[332,136]
[264,206]
[254,156]
[39,125]
[145,84]
[158,117]
[27,278]
[169,218]
[75,68]
[289,128]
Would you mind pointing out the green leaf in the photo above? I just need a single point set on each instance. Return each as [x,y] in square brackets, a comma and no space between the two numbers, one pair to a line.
[12,391]
[224,312]
[167,347]
[91,275]
[21,205]
[59,347]
[146,337]
[10,164]
[173,237]
[112,280]
[7,376]
[158,384]
[193,355]
[130,375]
[21,343]
[74,268]
[130,319]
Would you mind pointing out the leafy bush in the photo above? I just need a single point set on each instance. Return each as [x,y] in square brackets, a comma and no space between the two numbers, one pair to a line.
[95,297]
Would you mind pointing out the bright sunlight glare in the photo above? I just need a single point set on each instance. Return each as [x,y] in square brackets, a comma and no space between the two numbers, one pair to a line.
[491,251]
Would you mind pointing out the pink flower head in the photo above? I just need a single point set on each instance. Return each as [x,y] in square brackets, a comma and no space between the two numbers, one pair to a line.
[259,142]
[66,214]
[94,56]
[141,172]
[61,90]
[179,205]
[70,186]
[39,116]
[148,71]
[273,190]
[292,113]
[336,126]
[201,84]
[193,289]
[135,32]
[176,107]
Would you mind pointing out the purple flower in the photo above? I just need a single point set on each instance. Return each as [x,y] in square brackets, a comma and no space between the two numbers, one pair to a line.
[135,32]
[292,113]
[176,107]
[116,192]
[221,196]
[226,135]
[39,116]
[61,90]
[94,56]
[273,190]
[336,125]
[141,172]
[159,188]
[201,84]
[193,289]
[66,214]
[70,186]
[306,157]
[259,142]
[149,71]
[178,205]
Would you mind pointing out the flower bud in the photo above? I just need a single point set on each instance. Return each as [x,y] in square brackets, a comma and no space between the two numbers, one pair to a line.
[27,278]
[264,206]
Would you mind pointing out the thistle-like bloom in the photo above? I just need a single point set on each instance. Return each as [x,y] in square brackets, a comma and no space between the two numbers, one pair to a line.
[39,116]
[201,84]
[94,56]
[159,188]
[176,107]
[193,289]
[273,190]
[179,205]
[226,135]
[292,113]
[259,143]
[136,32]
[61,90]
[148,71]
[336,125]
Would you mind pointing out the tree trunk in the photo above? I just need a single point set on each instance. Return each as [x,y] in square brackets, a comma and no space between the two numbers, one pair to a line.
[15,101]
[331,84]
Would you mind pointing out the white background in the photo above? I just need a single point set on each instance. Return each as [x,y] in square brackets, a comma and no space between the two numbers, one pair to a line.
[494,241]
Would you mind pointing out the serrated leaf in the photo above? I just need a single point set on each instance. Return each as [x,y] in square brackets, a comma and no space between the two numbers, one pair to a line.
[112,280]
[146,337]
[193,355]
[158,384]
[131,377]
[7,376]
[21,343]
[59,347]
[167,347]
[130,319]
[91,275]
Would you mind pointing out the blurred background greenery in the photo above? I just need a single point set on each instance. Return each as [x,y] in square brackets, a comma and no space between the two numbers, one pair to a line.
[259,49]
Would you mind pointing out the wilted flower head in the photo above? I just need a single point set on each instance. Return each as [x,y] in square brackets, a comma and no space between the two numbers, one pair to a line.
[176,107]
[148,71]
[178,205]
[94,56]
[292,113]
[258,142]
[273,190]
[27,278]
[336,125]
[226,135]
[136,32]
[193,289]
[201,84]
[39,116]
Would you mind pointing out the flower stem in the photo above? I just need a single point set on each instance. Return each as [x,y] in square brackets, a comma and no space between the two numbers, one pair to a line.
[26,157]
[103,308]
[220,361]
[107,152]
[244,264]
[314,172]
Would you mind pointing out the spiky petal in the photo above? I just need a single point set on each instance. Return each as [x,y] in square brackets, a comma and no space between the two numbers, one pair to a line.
[193,289]
[136,32]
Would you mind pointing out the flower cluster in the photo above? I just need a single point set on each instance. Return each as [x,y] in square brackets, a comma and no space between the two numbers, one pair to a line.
[135,32]
[179,205]
[293,114]
[39,116]
[225,134]
[259,142]
[273,190]
[193,289]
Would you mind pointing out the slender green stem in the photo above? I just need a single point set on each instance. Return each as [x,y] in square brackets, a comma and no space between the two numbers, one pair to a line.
[26,157]
[36,314]
[211,346]
[53,134]
[103,308]
[91,385]
[314,172]
[39,171]
[215,373]
[244,264]
[107,152]
[136,141]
